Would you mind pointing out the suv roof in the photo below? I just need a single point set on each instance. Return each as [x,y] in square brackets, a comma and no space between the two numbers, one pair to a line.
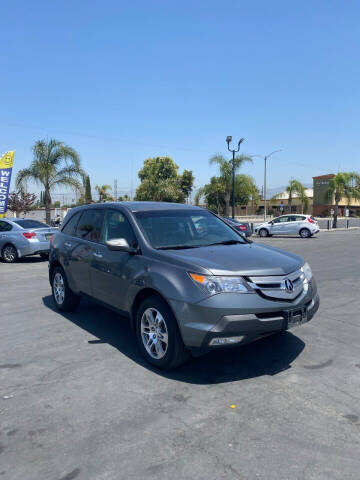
[141,206]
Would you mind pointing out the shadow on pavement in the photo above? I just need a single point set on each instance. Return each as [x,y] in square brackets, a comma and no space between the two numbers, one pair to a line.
[31,259]
[267,356]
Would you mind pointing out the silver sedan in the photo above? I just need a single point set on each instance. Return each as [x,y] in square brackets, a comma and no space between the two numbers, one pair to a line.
[20,237]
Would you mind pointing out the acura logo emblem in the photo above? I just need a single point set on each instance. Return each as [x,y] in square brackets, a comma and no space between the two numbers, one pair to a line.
[289,286]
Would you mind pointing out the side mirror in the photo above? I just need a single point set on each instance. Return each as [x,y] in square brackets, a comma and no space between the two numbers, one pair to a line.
[120,245]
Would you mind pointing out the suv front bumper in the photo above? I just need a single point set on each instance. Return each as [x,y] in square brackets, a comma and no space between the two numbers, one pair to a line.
[249,316]
[250,327]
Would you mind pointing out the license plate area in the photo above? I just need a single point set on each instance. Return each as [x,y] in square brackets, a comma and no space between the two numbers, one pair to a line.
[297,317]
[48,236]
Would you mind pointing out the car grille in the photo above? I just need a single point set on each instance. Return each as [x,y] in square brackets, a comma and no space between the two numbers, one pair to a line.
[280,287]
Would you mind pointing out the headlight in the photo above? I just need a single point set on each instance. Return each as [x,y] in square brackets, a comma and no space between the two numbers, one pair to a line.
[212,284]
[307,271]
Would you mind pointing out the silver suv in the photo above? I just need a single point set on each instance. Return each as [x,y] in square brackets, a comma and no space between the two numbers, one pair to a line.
[184,289]
[303,225]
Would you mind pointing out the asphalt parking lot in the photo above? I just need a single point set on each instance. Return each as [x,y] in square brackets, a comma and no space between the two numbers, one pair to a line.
[77,401]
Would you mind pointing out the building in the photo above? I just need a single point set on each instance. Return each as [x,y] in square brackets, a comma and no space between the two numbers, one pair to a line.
[324,203]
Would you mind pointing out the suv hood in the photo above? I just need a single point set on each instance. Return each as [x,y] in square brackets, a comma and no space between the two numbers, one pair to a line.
[241,259]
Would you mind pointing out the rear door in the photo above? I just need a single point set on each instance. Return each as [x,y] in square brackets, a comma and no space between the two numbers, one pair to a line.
[111,272]
[6,233]
[295,224]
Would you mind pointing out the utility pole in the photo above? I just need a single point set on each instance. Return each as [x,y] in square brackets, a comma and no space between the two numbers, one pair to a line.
[228,140]
[265,159]
[115,190]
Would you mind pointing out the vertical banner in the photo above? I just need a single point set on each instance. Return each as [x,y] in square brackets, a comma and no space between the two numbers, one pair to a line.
[6,164]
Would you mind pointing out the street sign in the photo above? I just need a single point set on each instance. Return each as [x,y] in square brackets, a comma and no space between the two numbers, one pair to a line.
[332,211]
[347,212]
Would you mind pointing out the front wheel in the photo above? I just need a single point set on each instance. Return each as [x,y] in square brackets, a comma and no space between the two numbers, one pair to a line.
[64,298]
[9,253]
[263,233]
[158,334]
[305,233]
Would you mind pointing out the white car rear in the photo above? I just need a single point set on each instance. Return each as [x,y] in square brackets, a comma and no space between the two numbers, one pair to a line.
[292,224]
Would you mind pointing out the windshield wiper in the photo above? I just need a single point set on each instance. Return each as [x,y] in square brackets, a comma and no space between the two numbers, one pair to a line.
[178,247]
[225,242]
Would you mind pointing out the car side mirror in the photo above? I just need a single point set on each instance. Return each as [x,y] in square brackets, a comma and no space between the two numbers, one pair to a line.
[120,245]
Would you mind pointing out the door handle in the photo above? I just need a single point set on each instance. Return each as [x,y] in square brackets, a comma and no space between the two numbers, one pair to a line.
[68,244]
[98,255]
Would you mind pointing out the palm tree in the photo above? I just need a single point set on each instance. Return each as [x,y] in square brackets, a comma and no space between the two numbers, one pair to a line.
[103,193]
[344,184]
[225,167]
[55,164]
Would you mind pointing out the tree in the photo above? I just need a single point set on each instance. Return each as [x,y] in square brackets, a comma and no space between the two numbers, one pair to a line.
[344,184]
[21,202]
[160,181]
[246,190]
[225,169]
[88,197]
[54,164]
[187,183]
[214,193]
[104,196]
[123,198]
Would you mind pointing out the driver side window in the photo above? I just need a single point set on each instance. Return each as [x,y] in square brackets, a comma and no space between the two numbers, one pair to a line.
[116,225]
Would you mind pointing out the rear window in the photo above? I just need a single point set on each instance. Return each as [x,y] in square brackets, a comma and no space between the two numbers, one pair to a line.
[30,224]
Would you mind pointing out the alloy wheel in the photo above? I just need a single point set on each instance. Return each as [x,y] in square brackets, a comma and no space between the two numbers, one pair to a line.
[263,232]
[9,253]
[305,233]
[154,333]
[59,288]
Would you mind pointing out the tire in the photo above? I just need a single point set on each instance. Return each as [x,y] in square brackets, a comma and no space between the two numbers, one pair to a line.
[305,233]
[155,318]
[263,233]
[65,300]
[9,253]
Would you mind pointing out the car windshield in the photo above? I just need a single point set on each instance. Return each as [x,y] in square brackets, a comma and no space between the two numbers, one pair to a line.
[30,224]
[182,229]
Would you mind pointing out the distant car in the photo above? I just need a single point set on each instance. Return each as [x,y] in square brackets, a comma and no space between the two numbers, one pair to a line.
[243,227]
[20,237]
[303,225]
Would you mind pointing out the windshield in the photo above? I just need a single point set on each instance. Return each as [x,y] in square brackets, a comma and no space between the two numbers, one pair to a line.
[169,229]
[30,224]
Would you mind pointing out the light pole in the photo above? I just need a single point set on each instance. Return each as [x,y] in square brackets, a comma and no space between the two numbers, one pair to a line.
[265,158]
[228,140]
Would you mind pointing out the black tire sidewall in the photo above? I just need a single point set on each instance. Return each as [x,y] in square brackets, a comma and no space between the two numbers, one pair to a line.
[71,300]
[16,253]
[263,230]
[307,230]
[172,328]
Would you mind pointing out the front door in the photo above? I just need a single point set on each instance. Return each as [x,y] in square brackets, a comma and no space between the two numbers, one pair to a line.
[279,225]
[111,272]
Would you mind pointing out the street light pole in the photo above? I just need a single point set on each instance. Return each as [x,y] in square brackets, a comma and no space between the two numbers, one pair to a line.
[228,140]
[265,159]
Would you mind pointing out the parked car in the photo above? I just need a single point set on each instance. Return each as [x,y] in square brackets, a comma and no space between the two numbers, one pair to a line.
[184,290]
[303,225]
[242,227]
[20,237]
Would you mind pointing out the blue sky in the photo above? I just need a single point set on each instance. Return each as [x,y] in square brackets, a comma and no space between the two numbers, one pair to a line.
[124,80]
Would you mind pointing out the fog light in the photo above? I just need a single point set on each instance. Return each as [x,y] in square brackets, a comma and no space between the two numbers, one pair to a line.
[225,340]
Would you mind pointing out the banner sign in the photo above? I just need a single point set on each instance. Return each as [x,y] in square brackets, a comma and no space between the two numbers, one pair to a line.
[6,164]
